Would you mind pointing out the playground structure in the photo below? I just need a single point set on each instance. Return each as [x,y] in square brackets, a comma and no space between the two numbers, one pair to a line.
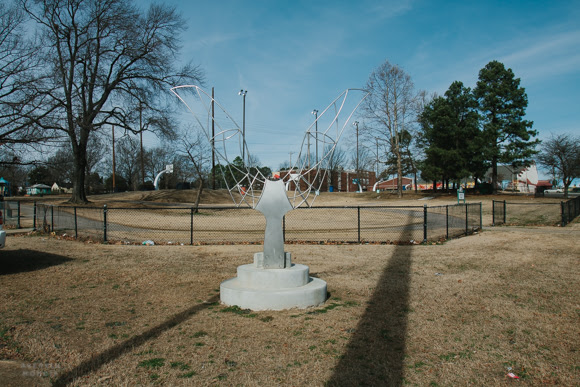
[272,282]
[4,187]
[168,169]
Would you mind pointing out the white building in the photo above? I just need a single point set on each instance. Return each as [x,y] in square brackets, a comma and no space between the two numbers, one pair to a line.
[522,179]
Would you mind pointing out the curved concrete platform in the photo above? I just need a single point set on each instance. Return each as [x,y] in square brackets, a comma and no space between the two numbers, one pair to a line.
[273,289]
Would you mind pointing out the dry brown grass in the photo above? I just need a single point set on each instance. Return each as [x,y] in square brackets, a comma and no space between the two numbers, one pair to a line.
[451,314]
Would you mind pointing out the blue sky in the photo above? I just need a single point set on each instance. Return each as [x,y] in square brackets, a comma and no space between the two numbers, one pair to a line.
[296,56]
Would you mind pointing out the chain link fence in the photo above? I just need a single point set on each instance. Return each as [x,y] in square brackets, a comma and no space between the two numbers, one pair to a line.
[570,210]
[218,225]
[12,213]
[534,214]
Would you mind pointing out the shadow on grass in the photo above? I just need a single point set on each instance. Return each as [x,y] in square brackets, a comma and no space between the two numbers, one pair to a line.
[376,352]
[24,260]
[113,353]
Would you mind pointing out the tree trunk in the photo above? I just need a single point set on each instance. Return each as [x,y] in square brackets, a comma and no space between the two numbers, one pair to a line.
[567,183]
[434,185]
[79,195]
[198,196]
[494,174]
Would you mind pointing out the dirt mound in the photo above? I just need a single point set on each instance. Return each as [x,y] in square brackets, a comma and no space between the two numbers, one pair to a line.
[208,197]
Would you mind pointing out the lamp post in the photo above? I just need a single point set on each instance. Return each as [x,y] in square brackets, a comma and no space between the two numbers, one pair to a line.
[141,138]
[355,124]
[315,112]
[113,130]
[377,140]
[243,94]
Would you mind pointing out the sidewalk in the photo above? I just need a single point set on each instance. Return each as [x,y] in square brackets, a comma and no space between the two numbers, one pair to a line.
[12,231]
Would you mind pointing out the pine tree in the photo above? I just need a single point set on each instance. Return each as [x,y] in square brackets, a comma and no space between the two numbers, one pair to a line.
[502,104]
[451,137]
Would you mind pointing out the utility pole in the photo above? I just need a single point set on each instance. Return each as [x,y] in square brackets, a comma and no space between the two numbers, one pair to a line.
[141,135]
[113,130]
[315,112]
[291,160]
[356,125]
[377,175]
[212,139]
[243,94]
[308,157]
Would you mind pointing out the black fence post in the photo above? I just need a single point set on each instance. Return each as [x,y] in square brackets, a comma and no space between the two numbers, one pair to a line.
[466,220]
[493,212]
[424,223]
[358,221]
[105,223]
[563,214]
[447,222]
[18,225]
[76,224]
[480,216]
[504,212]
[34,218]
[191,227]
[51,218]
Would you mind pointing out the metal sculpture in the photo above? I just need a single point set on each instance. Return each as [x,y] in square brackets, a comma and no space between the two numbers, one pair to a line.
[247,185]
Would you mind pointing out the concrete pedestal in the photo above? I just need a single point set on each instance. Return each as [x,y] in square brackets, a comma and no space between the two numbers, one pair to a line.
[273,289]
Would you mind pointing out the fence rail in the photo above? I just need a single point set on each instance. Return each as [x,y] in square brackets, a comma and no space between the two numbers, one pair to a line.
[183,225]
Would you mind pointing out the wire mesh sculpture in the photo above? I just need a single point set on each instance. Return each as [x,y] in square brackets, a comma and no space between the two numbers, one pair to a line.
[247,185]
[245,181]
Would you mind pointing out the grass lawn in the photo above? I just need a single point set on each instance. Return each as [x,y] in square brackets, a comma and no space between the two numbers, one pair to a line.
[468,311]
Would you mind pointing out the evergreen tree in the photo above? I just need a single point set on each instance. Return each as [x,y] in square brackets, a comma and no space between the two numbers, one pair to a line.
[502,103]
[451,137]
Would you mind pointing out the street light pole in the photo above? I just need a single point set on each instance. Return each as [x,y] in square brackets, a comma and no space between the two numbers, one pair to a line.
[315,112]
[243,94]
[141,137]
[377,140]
[212,139]
[356,125]
[113,130]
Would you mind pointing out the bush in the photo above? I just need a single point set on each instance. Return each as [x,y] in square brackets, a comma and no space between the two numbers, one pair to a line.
[485,188]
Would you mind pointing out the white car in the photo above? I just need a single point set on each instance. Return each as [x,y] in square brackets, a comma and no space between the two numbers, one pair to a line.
[555,190]
[2,232]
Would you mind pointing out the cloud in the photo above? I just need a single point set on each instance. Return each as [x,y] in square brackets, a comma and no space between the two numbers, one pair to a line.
[214,40]
[390,10]
[544,54]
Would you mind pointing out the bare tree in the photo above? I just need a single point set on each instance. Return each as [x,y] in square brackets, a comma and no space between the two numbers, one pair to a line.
[127,160]
[390,109]
[156,160]
[561,153]
[197,149]
[337,160]
[18,63]
[106,63]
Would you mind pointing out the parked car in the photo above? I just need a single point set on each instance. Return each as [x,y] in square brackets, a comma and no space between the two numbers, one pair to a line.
[2,232]
[554,190]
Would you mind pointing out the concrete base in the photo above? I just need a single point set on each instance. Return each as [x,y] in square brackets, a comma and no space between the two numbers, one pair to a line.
[273,289]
